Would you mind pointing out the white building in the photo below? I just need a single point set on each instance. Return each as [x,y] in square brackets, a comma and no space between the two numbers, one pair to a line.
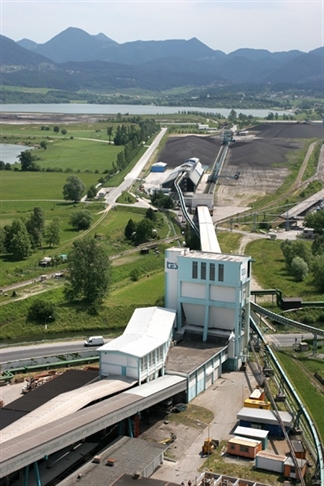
[140,352]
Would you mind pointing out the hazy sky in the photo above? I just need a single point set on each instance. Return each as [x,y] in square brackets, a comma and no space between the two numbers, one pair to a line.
[227,25]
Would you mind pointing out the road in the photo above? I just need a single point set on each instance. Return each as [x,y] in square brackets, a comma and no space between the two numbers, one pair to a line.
[36,350]
[131,177]
[287,340]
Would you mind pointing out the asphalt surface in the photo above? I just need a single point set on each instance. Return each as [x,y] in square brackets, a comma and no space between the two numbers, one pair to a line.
[225,399]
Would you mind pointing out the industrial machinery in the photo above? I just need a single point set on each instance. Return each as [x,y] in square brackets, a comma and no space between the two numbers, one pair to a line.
[209,446]
[169,440]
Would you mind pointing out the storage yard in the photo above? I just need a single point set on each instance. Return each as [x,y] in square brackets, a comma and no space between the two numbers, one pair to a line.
[261,157]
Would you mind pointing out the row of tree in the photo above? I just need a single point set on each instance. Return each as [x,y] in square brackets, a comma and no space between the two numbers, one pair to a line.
[25,235]
[301,259]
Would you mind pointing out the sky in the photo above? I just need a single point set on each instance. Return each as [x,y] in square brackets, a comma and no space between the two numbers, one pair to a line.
[226,25]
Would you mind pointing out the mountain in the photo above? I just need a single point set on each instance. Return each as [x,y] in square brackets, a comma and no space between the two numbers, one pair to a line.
[73,45]
[15,55]
[76,60]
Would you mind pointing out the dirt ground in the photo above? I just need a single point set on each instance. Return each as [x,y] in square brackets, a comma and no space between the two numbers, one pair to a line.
[261,158]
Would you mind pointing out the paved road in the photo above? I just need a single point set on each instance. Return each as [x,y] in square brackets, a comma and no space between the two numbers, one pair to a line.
[287,340]
[35,350]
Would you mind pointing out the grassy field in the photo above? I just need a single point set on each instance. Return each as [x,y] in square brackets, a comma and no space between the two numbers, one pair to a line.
[299,372]
[20,187]
[74,320]
[111,231]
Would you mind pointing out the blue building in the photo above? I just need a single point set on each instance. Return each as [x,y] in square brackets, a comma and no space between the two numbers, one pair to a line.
[211,295]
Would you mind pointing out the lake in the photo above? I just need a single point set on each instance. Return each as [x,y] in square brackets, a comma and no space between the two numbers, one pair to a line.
[89,109]
[9,153]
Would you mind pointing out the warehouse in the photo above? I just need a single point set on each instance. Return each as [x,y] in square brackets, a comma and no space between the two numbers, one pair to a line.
[265,420]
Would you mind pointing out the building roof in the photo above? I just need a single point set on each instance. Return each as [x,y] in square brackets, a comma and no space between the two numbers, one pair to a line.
[67,381]
[148,328]
[66,404]
[130,455]
[250,432]
[222,257]
[191,352]
[193,168]
[244,441]
[159,164]
[264,416]
[273,457]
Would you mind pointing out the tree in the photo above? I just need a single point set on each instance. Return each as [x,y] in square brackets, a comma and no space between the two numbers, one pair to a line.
[36,226]
[56,129]
[17,240]
[109,133]
[52,232]
[64,131]
[299,269]
[292,249]
[316,221]
[144,231]
[27,160]
[41,311]
[232,116]
[89,272]
[318,272]
[73,189]
[130,229]
[81,220]
[92,192]
[150,214]
[43,144]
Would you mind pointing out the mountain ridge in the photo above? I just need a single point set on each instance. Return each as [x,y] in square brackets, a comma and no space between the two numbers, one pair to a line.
[65,60]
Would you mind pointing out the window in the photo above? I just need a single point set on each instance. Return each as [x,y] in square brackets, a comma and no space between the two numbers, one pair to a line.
[194,269]
[221,272]
[244,449]
[249,269]
[212,271]
[203,271]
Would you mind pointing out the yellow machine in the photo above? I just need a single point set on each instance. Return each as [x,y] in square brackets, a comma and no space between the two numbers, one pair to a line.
[209,446]
[169,440]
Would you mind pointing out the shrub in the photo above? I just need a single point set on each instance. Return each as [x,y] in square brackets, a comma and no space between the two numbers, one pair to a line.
[41,311]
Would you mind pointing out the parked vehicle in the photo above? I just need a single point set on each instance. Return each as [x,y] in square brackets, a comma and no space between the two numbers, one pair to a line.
[94,341]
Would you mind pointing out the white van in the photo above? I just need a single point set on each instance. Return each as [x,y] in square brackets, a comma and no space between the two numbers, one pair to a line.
[94,341]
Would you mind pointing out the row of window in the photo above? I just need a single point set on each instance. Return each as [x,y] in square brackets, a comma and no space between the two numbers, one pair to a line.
[212,271]
[149,359]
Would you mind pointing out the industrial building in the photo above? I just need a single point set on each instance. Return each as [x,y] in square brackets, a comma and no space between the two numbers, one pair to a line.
[193,174]
[211,294]
[141,351]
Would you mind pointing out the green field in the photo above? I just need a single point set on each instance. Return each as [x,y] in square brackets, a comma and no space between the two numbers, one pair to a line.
[299,371]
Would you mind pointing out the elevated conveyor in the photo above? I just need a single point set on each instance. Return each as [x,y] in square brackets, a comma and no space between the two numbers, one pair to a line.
[208,237]
[183,204]
[285,321]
